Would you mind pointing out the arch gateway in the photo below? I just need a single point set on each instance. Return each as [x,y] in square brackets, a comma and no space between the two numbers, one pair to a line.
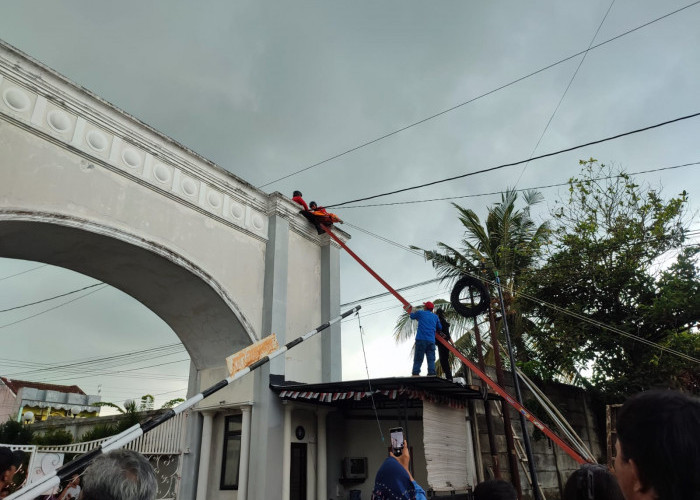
[87,187]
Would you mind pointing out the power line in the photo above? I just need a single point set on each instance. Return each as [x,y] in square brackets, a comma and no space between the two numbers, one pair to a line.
[587,320]
[124,373]
[82,362]
[51,309]
[520,162]
[403,289]
[513,82]
[561,99]
[86,368]
[23,272]
[492,193]
[51,298]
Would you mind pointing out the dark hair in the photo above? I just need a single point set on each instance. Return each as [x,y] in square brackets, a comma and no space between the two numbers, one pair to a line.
[313,203]
[660,431]
[296,193]
[592,482]
[495,489]
[6,459]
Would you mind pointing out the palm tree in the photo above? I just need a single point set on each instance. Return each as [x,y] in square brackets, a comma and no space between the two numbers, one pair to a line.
[508,243]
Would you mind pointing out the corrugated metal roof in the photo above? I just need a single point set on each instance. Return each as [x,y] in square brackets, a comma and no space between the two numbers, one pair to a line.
[355,393]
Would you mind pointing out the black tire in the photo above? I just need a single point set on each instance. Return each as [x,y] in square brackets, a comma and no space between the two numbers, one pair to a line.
[469,311]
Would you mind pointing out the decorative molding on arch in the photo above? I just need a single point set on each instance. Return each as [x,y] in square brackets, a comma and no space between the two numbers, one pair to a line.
[49,105]
[151,246]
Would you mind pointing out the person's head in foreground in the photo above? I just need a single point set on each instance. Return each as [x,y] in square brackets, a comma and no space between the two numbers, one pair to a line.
[495,489]
[394,480]
[658,447]
[119,475]
[592,482]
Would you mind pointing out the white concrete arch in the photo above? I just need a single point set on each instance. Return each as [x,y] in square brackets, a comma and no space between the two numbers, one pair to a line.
[198,309]
[84,185]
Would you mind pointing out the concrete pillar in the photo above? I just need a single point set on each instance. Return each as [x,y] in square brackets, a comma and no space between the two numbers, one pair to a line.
[321,459]
[267,415]
[275,287]
[267,435]
[205,455]
[192,443]
[332,366]
[286,451]
[245,454]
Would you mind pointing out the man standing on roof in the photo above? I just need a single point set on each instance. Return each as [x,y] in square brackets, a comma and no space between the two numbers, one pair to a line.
[428,324]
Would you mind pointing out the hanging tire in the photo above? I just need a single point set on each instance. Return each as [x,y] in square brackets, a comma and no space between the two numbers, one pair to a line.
[467,310]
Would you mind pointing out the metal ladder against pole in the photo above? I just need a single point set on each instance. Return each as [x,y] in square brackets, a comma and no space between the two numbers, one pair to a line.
[450,346]
[558,419]
[520,452]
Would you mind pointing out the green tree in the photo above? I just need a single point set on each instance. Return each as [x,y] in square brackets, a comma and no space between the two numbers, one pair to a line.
[611,236]
[509,242]
[53,437]
[172,403]
[13,432]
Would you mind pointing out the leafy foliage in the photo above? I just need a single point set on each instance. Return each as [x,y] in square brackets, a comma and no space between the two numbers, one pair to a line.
[610,239]
[53,437]
[172,403]
[507,244]
[99,432]
[13,432]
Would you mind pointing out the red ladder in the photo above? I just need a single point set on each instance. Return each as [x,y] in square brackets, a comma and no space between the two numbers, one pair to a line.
[493,385]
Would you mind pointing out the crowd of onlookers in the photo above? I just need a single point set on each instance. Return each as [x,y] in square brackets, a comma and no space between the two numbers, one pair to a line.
[117,475]
[657,458]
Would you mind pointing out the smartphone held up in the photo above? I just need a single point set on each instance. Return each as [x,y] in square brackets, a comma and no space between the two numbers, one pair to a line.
[397,440]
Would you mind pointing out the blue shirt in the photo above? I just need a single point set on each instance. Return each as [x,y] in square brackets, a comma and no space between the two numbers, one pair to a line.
[428,324]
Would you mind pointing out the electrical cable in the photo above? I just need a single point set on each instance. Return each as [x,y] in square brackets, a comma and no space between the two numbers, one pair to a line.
[513,82]
[492,193]
[147,353]
[520,162]
[561,99]
[23,272]
[100,370]
[384,294]
[369,379]
[126,373]
[51,309]
[52,298]
[592,321]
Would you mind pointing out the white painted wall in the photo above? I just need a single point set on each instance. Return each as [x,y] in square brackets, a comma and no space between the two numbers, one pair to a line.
[303,308]
[362,439]
[75,171]
[7,403]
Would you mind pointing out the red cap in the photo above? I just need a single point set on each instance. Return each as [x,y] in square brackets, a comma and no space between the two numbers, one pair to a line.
[429,305]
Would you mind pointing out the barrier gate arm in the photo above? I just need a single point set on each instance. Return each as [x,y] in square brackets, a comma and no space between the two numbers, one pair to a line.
[493,385]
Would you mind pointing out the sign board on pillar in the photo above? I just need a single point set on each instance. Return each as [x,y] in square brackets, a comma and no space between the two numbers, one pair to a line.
[246,357]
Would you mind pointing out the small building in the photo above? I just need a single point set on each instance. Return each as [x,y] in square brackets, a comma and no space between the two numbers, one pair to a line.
[335,435]
[18,397]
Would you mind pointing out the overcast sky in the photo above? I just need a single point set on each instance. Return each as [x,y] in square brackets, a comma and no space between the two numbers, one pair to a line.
[265,89]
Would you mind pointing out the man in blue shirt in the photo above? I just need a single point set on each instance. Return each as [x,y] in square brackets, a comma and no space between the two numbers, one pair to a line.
[428,324]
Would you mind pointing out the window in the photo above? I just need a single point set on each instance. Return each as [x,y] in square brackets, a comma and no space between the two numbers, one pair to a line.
[232,453]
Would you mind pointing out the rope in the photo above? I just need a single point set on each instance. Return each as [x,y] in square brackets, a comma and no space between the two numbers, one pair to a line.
[369,379]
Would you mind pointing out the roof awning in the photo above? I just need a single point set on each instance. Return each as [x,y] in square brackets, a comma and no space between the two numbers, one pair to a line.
[358,393]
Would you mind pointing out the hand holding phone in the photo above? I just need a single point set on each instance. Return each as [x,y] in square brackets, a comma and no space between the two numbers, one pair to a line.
[397,440]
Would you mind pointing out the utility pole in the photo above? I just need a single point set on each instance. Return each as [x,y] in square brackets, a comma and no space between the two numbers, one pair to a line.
[518,395]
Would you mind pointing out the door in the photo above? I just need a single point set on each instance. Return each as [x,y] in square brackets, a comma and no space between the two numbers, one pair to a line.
[297,473]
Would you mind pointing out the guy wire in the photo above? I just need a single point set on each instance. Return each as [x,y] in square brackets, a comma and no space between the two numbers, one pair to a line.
[369,381]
